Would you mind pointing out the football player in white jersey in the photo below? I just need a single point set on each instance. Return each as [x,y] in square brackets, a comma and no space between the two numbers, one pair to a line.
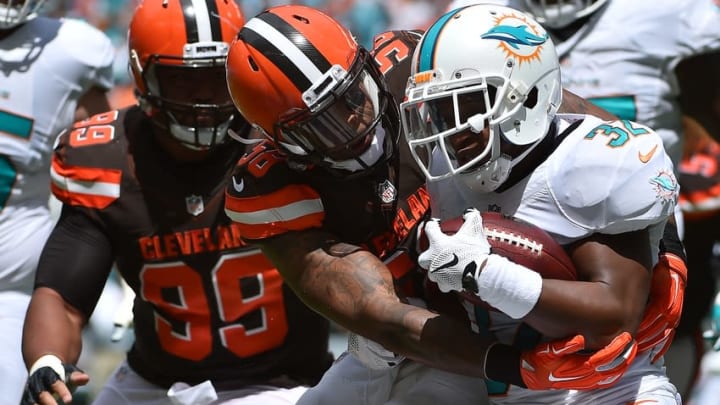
[622,56]
[52,71]
[486,133]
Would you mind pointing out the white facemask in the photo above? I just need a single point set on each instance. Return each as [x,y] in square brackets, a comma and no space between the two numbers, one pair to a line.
[186,135]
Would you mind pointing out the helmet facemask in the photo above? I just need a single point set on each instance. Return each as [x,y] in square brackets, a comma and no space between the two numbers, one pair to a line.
[188,96]
[16,12]
[470,127]
[339,128]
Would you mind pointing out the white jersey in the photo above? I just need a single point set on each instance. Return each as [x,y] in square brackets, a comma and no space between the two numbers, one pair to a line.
[45,66]
[623,59]
[603,177]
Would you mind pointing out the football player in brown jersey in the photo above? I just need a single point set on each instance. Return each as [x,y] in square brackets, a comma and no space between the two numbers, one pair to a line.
[332,189]
[143,188]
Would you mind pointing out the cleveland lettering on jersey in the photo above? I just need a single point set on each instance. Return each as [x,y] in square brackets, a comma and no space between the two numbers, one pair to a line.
[190,242]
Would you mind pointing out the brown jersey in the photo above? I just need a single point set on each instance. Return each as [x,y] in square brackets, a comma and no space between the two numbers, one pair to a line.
[268,196]
[208,307]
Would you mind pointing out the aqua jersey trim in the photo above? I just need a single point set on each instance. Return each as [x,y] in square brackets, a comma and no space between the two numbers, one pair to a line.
[15,125]
[623,106]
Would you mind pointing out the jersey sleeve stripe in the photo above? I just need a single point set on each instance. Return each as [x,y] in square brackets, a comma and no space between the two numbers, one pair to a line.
[88,187]
[282,197]
[267,230]
[294,207]
[285,213]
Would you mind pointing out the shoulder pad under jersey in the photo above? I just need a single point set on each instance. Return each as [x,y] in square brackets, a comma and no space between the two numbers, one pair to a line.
[91,48]
[393,52]
[88,161]
[701,29]
[266,198]
[612,177]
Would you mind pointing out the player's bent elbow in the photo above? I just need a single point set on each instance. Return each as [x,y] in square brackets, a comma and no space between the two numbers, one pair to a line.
[391,323]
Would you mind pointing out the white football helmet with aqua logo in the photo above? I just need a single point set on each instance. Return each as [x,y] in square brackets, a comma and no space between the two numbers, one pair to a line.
[484,89]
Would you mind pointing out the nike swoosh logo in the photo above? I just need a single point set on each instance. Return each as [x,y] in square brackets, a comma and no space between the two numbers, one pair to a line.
[552,378]
[561,351]
[645,157]
[451,263]
[239,187]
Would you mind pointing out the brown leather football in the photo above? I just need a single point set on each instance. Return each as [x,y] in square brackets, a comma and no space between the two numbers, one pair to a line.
[521,242]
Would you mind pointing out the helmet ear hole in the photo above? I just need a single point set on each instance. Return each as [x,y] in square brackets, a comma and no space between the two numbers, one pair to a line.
[253,65]
[302,19]
[532,98]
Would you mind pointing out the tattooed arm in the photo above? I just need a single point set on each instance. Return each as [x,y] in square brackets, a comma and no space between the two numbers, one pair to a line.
[355,289]
[574,104]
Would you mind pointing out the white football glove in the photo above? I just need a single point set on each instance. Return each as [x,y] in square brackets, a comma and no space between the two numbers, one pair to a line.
[372,354]
[450,260]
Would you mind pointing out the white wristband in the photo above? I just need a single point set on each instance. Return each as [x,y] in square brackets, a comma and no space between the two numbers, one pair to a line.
[508,286]
[49,360]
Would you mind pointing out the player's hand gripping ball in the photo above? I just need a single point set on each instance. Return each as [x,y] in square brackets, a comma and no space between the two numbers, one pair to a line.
[519,241]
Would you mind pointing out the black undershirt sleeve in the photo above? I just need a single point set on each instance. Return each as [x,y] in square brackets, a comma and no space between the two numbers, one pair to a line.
[76,260]
[503,364]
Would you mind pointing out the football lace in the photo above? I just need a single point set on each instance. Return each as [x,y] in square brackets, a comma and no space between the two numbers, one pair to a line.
[514,239]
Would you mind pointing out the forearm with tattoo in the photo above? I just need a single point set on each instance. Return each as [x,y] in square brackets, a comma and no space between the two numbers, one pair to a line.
[355,289]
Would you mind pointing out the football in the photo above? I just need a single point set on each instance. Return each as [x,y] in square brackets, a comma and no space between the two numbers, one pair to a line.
[521,242]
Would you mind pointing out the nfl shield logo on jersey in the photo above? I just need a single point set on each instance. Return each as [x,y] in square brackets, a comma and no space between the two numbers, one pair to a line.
[387,192]
[194,205]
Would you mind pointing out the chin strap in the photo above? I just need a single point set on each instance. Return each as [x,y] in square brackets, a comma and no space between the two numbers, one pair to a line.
[245,141]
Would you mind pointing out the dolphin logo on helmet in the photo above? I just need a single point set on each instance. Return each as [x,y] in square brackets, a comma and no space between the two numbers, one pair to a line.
[515,36]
